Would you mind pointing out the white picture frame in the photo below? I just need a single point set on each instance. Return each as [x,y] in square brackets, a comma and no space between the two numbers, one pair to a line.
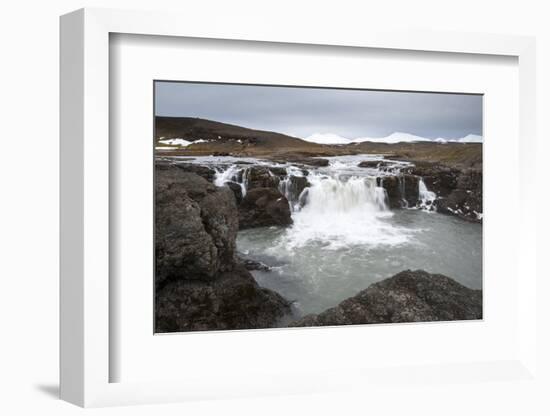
[85,211]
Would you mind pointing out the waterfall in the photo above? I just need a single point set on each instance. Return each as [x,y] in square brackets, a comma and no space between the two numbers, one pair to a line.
[337,195]
[341,211]
[289,187]
[233,173]
[426,198]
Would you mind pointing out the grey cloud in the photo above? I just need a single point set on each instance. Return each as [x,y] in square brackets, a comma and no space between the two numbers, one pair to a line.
[304,111]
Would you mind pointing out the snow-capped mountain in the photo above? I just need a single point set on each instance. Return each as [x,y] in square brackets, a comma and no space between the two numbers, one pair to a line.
[397,137]
[327,138]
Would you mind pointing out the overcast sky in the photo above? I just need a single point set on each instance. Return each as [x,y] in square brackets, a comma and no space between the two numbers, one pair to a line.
[305,111]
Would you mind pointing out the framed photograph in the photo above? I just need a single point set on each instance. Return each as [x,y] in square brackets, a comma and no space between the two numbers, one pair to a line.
[281,213]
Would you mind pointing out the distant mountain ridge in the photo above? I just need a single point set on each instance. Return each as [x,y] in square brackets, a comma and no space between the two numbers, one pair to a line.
[397,137]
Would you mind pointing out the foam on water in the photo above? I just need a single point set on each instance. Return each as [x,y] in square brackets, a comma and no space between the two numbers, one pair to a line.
[343,211]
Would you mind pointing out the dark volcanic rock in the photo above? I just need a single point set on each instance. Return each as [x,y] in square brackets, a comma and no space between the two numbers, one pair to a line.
[264,207]
[250,264]
[293,187]
[195,226]
[392,186]
[410,189]
[303,160]
[232,301]
[459,192]
[466,200]
[409,296]
[314,162]
[278,171]
[373,164]
[199,284]
[237,191]
[203,171]
[402,190]
[261,177]
[438,178]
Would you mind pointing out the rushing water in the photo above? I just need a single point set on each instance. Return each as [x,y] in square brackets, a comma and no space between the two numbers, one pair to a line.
[344,237]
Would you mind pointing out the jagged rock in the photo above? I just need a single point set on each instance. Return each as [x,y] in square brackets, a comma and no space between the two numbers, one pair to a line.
[410,189]
[438,178]
[402,190]
[409,296]
[466,200]
[203,171]
[261,177]
[392,186]
[459,192]
[195,226]
[199,284]
[232,301]
[374,164]
[264,207]
[278,171]
[237,191]
[250,264]
[293,187]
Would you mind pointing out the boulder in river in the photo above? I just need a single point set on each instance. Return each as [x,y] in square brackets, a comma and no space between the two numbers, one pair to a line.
[409,296]
[261,177]
[263,207]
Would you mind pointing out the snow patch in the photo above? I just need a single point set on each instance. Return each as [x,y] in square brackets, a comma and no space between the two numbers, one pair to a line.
[176,142]
[327,138]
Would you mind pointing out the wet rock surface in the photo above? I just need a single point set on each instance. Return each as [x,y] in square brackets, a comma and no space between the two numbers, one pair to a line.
[261,177]
[263,207]
[409,296]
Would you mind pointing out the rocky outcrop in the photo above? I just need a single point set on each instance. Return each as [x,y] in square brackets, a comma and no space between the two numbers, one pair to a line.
[263,207]
[459,191]
[409,184]
[199,283]
[409,296]
[196,226]
[393,190]
[402,190]
[466,200]
[292,187]
[374,164]
[232,301]
[237,191]
[261,177]
[203,171]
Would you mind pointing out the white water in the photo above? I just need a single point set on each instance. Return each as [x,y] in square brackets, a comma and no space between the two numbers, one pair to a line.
[426,198]
[343,211]
[233,173]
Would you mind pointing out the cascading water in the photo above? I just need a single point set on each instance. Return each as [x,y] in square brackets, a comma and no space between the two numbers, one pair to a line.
[233,173]
[343,210]
[426,198]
